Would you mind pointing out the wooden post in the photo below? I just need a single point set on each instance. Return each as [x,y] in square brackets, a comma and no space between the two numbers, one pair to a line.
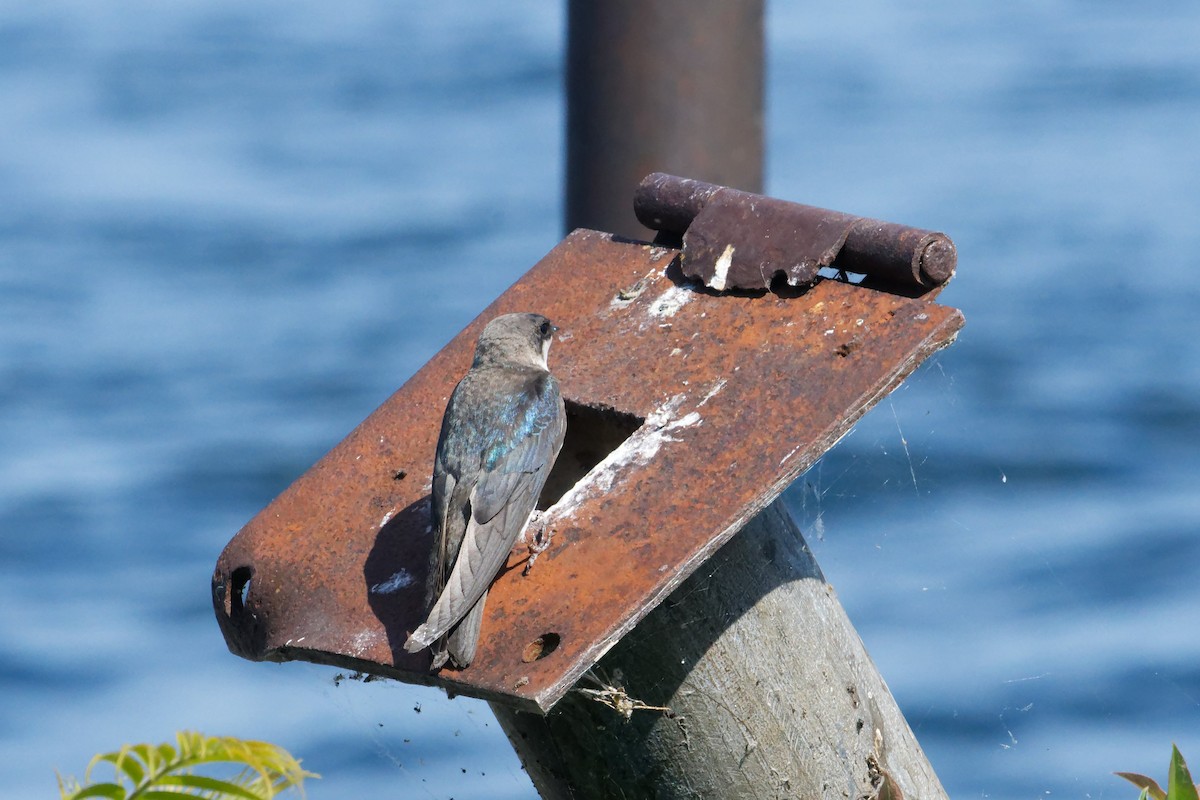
[771,694]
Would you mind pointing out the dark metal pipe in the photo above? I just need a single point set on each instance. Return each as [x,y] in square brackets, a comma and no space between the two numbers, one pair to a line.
[660,86]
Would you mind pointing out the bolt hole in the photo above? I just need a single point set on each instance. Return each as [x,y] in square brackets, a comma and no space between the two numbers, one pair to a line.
[240,588]
[541,647]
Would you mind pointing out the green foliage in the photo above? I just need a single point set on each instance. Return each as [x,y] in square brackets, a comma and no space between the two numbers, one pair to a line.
[1179,782]
[166,772]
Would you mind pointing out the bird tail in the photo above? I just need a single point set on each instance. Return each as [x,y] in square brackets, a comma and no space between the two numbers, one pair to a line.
[461,642]
[458,645]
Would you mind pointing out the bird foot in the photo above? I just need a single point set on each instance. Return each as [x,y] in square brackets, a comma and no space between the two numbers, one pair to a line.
[540,543]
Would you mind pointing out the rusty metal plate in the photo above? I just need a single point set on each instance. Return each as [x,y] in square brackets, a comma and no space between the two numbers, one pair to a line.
[689,410]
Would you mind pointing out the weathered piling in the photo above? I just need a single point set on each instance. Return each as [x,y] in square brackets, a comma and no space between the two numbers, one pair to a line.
[748,682]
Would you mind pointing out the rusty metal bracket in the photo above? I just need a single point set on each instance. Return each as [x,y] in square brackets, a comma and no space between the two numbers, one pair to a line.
[689,411]
[739,240]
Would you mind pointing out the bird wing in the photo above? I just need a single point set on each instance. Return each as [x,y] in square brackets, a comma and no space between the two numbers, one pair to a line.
[511,468]
[515,470]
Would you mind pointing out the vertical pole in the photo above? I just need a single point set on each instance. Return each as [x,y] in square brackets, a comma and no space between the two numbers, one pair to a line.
[660,86]
[770,690]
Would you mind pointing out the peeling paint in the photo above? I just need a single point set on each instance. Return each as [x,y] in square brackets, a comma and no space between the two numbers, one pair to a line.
[398,581]
[362,642]
[683,422]
[721,270]
[670,301]
[717,387]
[626,296]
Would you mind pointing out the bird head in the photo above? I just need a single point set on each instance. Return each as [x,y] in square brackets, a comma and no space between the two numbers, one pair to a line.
[517,340]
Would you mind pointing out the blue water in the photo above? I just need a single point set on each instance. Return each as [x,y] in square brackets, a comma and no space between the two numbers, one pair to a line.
[229,231]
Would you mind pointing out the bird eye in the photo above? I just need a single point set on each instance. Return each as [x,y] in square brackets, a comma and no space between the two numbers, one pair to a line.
[546,328]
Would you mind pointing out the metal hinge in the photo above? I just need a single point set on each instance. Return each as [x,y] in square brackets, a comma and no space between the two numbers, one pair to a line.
[738,240]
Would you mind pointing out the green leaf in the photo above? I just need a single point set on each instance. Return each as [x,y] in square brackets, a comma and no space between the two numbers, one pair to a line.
[1147,785]
[124,761]
[165,771]
[1179,781]
[225,788]
[166,753]
[115,791]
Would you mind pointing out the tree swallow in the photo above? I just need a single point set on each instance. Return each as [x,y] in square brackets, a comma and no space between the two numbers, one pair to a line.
[501,433]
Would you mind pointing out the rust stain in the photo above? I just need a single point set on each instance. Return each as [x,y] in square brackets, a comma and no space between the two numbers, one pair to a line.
[721,401]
